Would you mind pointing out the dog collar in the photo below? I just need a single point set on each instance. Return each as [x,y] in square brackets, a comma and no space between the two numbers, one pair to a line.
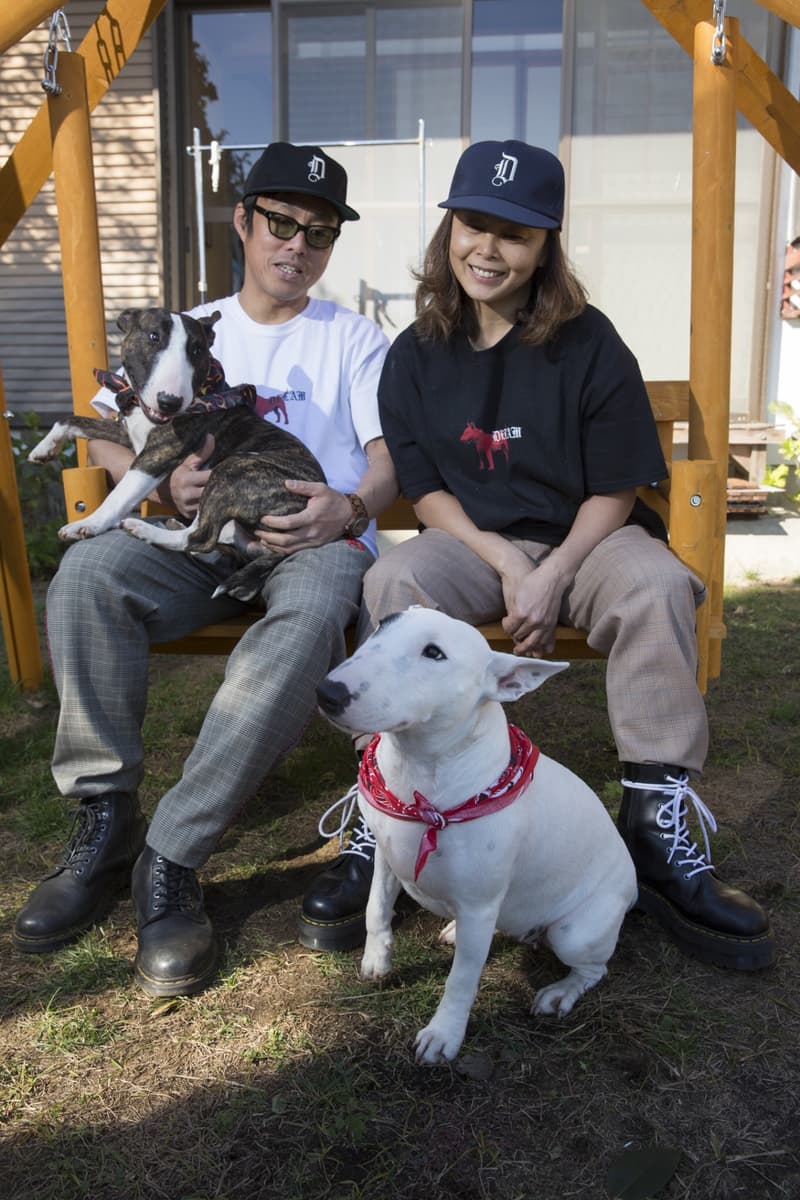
[213,394]
[513,780]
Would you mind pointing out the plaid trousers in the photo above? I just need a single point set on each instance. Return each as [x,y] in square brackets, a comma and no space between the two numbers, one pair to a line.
[112,596]
[634,598]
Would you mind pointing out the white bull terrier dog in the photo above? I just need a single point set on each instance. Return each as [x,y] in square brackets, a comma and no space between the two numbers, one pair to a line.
[544,859]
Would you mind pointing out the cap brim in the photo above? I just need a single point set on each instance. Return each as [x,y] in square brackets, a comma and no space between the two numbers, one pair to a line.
[344,210]
[494,206]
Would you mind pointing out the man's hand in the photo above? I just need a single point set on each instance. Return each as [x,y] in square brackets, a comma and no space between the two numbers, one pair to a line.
[321,521]
[187,481]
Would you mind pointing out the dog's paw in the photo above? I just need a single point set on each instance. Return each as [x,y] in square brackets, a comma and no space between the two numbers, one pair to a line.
[136,528]
[376,962]
[447,936]
[40,454]
[75,531]
[437,1044]
[556,1000]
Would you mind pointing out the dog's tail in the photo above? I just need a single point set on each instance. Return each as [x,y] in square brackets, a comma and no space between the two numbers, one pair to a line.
[246,583]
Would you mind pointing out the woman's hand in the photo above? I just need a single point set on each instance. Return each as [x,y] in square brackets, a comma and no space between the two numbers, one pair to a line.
[321,521]
[533,600]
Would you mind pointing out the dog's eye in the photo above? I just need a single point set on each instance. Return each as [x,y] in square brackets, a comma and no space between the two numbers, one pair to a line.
[154,335]
[433,651]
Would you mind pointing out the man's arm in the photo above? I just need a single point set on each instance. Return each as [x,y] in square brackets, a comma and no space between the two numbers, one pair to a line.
[182,489]
[115,458]
[328,511]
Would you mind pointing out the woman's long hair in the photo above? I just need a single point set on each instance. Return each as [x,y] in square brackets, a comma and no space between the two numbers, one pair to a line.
[443,306]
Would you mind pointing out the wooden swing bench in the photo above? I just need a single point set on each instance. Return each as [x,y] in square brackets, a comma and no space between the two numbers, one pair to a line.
[686,503]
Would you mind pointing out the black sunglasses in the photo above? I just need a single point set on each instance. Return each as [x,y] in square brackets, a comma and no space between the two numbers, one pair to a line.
[319,237]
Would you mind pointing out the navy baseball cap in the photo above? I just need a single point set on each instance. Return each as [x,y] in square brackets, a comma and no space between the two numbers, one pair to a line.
[303,169]
[511,180]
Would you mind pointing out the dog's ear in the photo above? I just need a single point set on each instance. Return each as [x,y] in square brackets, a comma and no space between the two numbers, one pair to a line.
[127,318]
[509,677]
[208,324]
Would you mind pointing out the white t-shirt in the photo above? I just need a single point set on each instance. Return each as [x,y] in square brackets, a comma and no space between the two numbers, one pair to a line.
[316,375]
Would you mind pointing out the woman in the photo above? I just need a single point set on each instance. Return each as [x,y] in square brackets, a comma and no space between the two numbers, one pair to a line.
[520,428]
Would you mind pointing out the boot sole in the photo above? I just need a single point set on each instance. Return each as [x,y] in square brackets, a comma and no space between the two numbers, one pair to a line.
[347,934]
[44,945]
[189,985]
[709,945]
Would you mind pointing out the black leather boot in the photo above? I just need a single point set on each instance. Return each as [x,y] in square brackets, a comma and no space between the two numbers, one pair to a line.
[677,882]
[106,837]
[333,916]
[177,953]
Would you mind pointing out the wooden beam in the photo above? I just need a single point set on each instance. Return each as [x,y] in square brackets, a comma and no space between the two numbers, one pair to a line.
[16,595]
[20,18]
[787,10]
[76,201]
[713,194]
[760,95]
[108,45]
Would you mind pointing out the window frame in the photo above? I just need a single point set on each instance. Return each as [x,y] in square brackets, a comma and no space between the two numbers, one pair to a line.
[283,9]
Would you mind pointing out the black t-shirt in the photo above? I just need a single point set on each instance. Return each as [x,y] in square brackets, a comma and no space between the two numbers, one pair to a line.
[522,435]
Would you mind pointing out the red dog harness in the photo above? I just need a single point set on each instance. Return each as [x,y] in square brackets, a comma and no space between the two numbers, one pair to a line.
[514,779]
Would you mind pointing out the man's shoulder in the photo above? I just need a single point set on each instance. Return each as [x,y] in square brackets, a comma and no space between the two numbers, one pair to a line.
[227,306]
[330,311]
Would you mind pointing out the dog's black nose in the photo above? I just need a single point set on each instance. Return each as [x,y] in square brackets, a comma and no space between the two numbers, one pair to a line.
[333,697]
[167,403]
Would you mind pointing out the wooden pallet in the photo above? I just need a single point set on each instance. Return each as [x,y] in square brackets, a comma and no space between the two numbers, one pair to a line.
[745,499]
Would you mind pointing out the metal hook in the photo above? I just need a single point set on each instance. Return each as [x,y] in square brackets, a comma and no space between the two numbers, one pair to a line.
[719,42]
[59,27]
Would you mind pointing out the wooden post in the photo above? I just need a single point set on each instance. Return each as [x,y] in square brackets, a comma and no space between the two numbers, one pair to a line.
[85,489]
[693,517]
[73,169]
[16,597]
[713,189]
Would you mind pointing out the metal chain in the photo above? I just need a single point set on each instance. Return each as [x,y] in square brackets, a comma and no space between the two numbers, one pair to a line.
[59,26]
[718,43]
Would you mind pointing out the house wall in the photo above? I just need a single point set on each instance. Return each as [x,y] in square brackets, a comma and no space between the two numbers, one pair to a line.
[33,342]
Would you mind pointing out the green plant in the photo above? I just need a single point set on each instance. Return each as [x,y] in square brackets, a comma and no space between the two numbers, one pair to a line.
[40,496]
[786,474]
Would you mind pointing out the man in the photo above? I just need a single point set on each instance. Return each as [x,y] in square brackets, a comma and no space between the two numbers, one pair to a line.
[113,595]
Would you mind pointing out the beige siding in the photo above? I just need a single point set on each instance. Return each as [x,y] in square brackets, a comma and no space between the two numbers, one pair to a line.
[33,347]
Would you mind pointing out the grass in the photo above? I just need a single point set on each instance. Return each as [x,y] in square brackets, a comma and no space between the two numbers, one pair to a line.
[292,1078]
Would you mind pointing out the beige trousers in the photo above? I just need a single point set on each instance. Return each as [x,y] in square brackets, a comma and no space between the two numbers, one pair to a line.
[633,597]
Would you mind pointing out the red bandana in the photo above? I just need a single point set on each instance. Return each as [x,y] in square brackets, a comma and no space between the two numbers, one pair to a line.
[514,779]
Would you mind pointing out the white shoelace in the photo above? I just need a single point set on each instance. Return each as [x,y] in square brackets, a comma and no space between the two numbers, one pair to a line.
[672,816]
[361,839]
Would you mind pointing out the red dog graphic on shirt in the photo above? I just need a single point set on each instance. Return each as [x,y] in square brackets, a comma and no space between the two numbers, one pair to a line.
[266,405]
[486,444]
